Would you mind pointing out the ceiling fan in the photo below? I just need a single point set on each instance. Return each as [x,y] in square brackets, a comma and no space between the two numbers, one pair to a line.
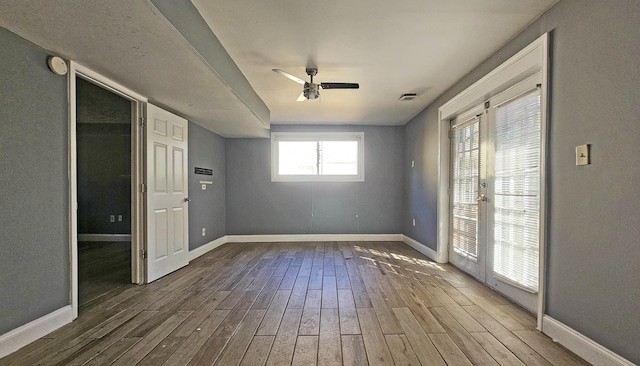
[312,90]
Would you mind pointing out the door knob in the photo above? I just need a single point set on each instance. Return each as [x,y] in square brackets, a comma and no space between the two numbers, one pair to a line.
[187,199]
[481,197]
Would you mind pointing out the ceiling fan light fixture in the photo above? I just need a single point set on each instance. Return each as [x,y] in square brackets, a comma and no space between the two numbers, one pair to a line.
[407,97]
[311,91]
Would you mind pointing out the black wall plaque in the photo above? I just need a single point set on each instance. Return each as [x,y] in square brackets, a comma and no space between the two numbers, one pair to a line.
[204,171]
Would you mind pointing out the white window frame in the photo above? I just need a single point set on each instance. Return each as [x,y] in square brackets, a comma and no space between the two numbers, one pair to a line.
[276,137]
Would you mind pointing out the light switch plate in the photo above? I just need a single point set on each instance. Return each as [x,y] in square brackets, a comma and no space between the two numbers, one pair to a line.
[582,155]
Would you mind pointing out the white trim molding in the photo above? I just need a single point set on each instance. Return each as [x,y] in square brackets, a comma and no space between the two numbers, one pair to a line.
[581,345]
[432,254]
[316,137]
[206,248]
[137,225]
[104,237]
[530,61]
[292,238]
[311,237]
[30,332]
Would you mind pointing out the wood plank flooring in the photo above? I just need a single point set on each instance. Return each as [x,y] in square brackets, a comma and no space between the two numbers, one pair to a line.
[326,303]
[103,268]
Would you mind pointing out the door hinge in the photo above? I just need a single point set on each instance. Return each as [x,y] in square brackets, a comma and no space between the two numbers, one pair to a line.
[143,254]
[487,104]
[142,124]
[450,134]
[143,188]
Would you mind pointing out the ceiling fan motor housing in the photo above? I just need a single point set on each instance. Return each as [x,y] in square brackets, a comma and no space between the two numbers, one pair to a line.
[311,91]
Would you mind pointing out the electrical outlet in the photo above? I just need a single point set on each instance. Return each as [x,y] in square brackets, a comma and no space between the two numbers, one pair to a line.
[112,218]
[119,217]
[204,231]
[204,187]
[413,222]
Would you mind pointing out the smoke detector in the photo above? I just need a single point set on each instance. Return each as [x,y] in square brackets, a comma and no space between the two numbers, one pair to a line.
[407,97]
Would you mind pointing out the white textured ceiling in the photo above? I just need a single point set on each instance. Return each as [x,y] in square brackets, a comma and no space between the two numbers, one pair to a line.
[389,47]
[132,43]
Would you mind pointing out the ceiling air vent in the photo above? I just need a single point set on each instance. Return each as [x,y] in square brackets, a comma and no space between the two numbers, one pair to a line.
[408,96]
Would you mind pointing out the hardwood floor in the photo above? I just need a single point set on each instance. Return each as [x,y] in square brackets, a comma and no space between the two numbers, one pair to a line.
[333,303]
[103,268]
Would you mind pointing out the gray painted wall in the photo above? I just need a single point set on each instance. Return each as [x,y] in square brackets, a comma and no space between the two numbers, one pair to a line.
[593,221]
[255,205]
[34,244]
[207,208]
[104,160]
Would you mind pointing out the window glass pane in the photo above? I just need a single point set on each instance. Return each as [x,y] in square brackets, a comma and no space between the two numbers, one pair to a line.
[338,157]
[517,190]
[317,157]
[465,176]
[298,157]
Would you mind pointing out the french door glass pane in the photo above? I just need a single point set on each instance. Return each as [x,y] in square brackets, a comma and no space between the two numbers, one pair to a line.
[466,172]
[517,190]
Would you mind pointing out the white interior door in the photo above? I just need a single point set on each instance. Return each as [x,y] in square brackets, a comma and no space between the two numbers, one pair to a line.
[167,193]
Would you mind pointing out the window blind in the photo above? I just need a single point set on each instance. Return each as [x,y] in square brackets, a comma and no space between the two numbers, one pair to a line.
[465,180]
[517,190]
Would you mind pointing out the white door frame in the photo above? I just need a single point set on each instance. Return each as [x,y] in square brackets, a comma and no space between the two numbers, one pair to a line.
[137,170]
[531,60]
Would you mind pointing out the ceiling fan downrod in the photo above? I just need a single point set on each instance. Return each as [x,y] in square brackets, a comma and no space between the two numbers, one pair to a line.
[311,90]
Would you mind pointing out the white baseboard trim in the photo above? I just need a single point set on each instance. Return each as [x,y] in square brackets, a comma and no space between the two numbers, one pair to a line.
[311,237]
[204,249]
[581,345]
[288,238]
[104,237]
[432,254]
[30,332]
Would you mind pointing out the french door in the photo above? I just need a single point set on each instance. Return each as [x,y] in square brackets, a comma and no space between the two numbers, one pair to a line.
[495,190]
[467,188]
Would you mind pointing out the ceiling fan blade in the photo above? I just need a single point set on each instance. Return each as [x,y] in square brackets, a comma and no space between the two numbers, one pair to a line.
[340,85]
[289,76]
[301,98]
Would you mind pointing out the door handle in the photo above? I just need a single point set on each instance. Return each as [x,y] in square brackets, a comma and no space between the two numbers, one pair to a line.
[481,197]
[187,199]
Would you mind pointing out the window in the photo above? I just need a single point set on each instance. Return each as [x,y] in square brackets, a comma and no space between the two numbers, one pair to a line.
[317,157]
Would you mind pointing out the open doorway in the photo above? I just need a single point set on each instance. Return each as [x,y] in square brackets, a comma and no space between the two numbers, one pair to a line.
[109,100]
[104,150]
